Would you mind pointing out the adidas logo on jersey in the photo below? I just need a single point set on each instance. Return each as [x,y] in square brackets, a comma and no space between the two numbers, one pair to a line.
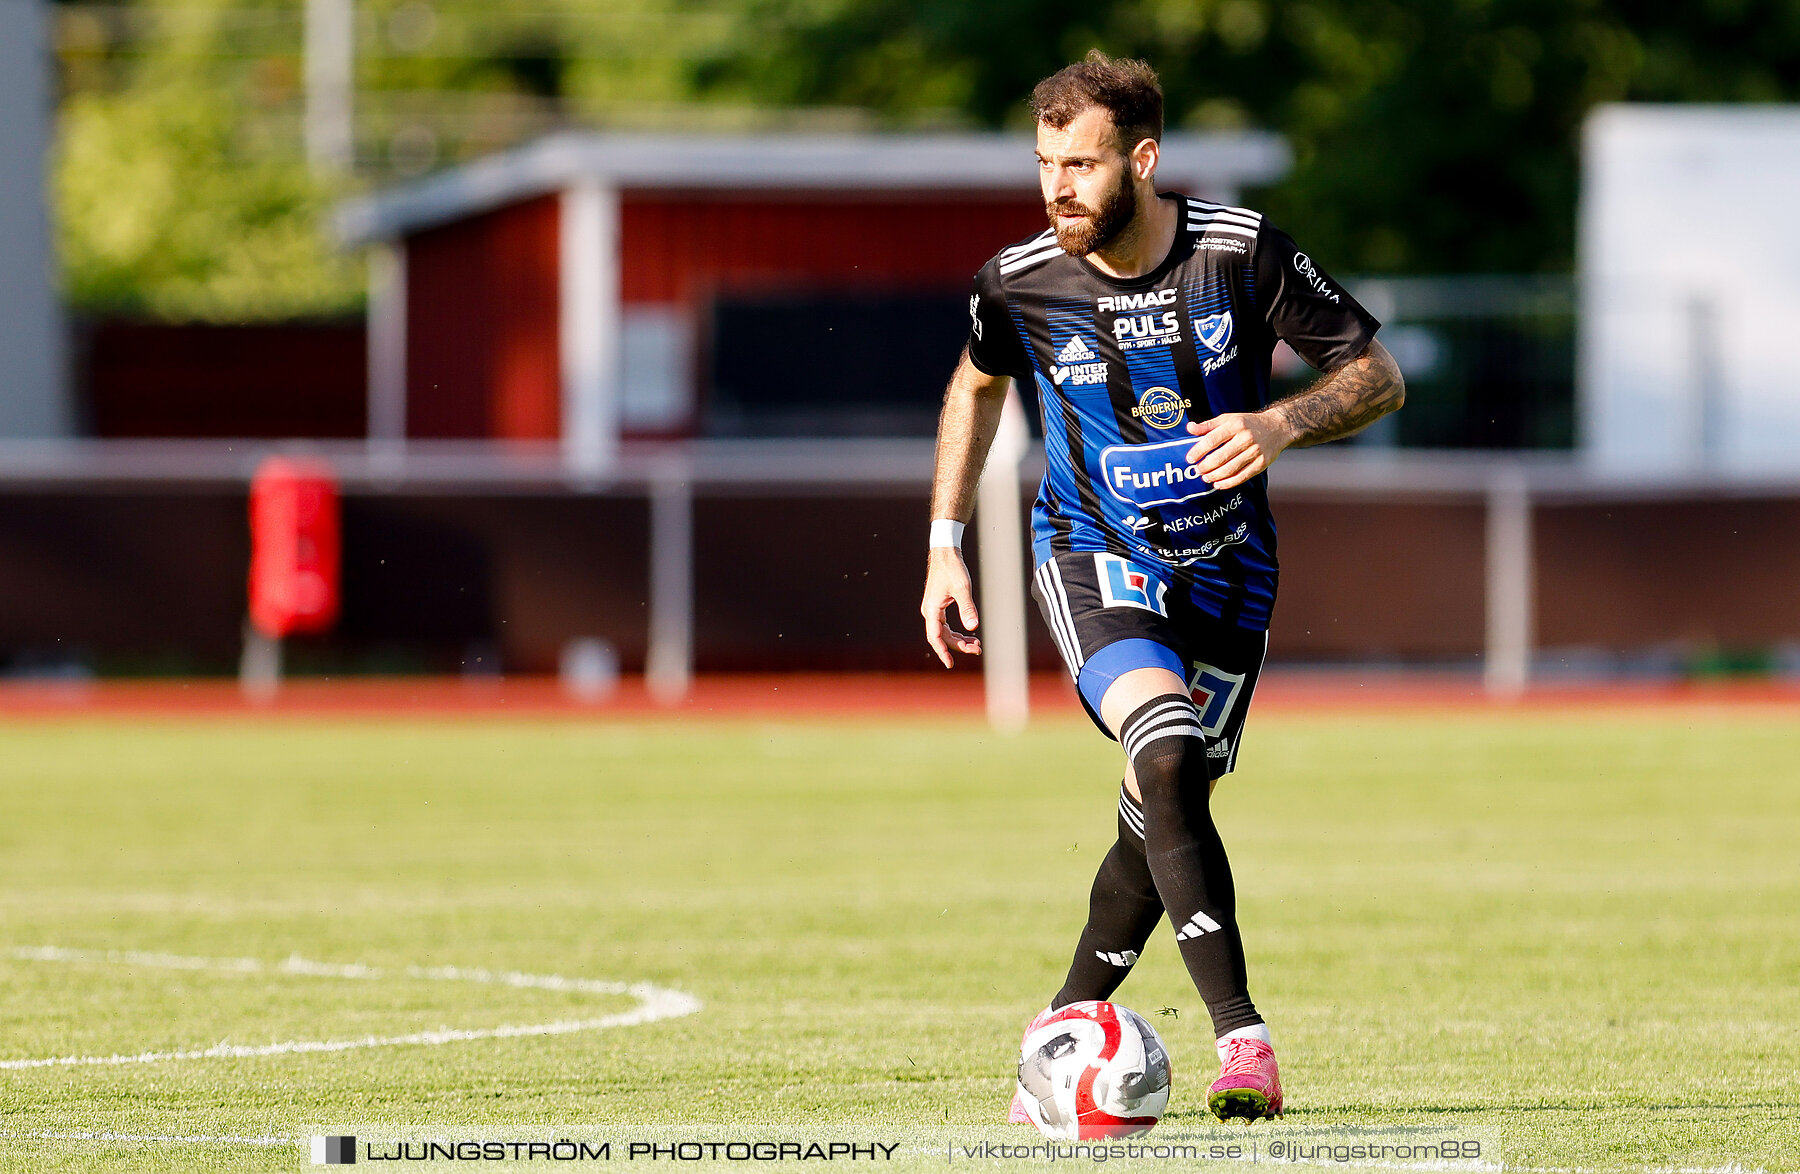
[1198,924]
[1076,351]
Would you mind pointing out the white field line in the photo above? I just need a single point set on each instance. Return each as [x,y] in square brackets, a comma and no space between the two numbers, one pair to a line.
[1440,1167]
[162,1138]
[653,1003]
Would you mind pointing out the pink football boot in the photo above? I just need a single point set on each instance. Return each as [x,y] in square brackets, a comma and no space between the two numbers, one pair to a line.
[1249,1085]
[1017,1115]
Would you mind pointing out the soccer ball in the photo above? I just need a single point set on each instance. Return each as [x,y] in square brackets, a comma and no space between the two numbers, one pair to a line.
[1094,1070]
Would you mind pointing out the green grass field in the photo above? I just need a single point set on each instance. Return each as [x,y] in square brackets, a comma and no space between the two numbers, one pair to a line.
[1573,938]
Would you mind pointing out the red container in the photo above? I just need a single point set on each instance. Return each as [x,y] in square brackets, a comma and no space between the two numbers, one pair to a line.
[294,547]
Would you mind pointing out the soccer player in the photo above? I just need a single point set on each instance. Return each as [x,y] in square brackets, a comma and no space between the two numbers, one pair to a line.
[1147,320]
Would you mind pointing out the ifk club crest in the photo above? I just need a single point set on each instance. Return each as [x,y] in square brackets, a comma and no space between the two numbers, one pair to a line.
[1214,332]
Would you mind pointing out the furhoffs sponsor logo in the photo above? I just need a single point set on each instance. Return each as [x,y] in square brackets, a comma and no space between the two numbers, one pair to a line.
[1148,475]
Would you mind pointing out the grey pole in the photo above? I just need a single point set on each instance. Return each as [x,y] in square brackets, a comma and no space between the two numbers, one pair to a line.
[330,81]
[1005,665]
[669,664]
[387,342]
[32,398]
[590,329]
[1507,670]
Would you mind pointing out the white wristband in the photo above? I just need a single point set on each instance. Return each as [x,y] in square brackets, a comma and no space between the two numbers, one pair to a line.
[945,532]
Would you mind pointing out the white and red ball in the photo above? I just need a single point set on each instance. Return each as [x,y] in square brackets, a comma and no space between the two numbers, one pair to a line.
[1094,1070]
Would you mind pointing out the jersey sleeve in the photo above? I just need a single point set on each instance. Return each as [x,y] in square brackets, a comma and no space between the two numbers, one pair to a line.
[1305,307]
[994,345]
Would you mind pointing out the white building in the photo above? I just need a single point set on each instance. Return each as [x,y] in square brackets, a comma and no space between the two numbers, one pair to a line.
[1690,290]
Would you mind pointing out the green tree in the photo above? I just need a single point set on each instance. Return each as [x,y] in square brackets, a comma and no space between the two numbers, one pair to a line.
[175,196]
[1429,135]
[180,186]
[160,217]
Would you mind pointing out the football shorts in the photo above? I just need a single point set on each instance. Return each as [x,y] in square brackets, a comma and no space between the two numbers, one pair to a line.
[1110,615]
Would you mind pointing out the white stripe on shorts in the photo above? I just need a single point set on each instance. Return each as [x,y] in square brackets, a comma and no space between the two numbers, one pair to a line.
[1052,617]
[1062,621]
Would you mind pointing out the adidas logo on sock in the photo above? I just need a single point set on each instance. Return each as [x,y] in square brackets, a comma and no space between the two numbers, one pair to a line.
[1198,924]
[1075,351]
[1122,958]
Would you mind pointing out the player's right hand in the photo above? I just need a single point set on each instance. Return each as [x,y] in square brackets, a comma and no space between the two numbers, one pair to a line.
[947,583]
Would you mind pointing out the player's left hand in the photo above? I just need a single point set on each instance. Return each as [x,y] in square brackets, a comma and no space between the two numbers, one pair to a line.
[1236,446]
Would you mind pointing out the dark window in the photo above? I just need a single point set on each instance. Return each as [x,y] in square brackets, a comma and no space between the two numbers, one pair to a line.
[831,364]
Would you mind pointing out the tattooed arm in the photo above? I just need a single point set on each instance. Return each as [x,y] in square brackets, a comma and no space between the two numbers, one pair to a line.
[1346,401]
[1235,447]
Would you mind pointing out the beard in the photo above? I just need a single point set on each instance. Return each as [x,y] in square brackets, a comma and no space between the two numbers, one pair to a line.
[1103,224]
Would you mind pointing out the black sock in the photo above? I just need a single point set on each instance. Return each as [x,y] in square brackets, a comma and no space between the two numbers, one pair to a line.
[1123,910]
[1185,856]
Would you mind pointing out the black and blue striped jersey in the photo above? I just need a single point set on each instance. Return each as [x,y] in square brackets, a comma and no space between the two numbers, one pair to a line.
[1121,366]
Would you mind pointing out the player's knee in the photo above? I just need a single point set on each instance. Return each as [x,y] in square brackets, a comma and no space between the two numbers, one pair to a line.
[1130,783]
[1162,739]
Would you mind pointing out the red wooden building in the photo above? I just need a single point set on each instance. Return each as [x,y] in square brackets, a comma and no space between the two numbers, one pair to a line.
[572,289]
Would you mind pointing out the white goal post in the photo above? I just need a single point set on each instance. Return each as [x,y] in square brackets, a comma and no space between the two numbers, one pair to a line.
[1000,528]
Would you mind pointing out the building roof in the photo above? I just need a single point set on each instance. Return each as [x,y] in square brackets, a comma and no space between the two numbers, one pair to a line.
[1207,164]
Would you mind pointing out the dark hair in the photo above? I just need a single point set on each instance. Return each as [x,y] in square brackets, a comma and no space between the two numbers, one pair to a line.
[1125,88]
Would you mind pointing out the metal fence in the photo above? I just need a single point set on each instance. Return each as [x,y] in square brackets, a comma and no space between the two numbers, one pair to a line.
[1511,491]
[1489,361]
